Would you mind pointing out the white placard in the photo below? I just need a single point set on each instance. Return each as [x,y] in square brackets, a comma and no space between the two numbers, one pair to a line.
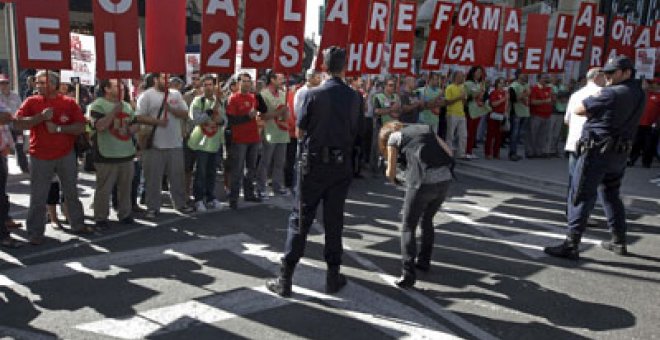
[645,62]
[83,60]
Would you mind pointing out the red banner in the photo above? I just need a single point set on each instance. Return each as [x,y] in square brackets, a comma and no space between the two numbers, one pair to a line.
[511,38]
[358,11]
[535,42]
[487,34]
[166,36]
[114,23]
[620,40]
[374,42]
[461,45]
[259,33]
[335,28]
[598,42]
[582,30]
[403,37]
[438,34]
[627,43]
[642,37]
[560,43]
[43,34]
[290,37]
[219,22]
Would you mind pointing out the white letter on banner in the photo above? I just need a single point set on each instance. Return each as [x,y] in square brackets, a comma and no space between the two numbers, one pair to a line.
[617,30]
[288,46]
[557,58]
[464,14]
[405,17]
[578,45]
[401,54]
[561,30]
[113,8]
[599,27]
[355,57]
[455,48]
[373,63]
[259,41]
[596,52]
[216,59]
[111,63]
[491,19]
[510,53]
[35,38]
[627,35]
[378,15]
[512,24]
[225,5]
[533,60]
[339,11]
[429,58]
[657,31]
[468,52]
[586,17]
[443,16]
[289,15]
[475,18]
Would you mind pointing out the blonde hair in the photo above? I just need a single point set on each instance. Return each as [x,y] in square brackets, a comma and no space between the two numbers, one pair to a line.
[385,133]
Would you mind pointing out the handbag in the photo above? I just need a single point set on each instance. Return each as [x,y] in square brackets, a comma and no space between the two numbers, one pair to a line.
[145,137]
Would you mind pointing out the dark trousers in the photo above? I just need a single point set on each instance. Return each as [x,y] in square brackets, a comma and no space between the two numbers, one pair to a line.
[493,138]
[367,138]
[472,127]
[442,124]
[289,165]
[21,157]
[325,182]
[422,202]
[597,175]
[205,170]
[4,199]
[519,127]
[645,145]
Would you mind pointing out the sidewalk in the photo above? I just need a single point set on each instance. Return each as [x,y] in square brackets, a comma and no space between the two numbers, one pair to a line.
[640,189]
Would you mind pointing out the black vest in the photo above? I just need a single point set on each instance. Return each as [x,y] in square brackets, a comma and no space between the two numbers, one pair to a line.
[420,151]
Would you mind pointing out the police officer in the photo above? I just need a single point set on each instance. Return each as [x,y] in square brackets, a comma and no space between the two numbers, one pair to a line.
[612,116]
[328,125]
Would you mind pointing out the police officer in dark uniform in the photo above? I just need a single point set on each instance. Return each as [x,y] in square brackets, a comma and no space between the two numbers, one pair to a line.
[612,117]
[328,125]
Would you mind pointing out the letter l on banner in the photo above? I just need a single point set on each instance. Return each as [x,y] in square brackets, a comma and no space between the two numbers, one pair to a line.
[166,36]
[117,44]
[43,34]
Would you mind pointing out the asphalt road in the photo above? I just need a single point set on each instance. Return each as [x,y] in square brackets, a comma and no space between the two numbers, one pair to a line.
[202,276]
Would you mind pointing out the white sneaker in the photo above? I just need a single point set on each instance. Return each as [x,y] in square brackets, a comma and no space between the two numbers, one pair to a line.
[215,204]
[200,207]
[471,156]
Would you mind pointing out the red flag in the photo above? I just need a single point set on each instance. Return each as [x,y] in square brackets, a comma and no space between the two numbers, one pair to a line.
[335,28]
[359,10]
[582,30]
[535,42]
[487,34]
[219,26]
[598,42]
[560,43]
[166,36]
[114,23]
[290,37]
[511,38]
[43,34]
[403,37]
[461,45]
[374,42]
[438,34]
[259,33]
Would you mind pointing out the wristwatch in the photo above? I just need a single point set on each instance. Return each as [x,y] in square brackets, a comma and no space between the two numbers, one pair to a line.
[58,129]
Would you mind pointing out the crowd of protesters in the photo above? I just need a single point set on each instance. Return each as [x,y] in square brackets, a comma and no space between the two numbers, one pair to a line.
[155,134]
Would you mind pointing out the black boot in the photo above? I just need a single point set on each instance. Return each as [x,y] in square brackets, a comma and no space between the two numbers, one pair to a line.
[616,245]
[334,281]
[283,283]
[568,249]
[408,278]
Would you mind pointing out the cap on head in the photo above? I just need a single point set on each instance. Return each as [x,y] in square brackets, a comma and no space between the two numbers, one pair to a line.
[618,63]
[334,58]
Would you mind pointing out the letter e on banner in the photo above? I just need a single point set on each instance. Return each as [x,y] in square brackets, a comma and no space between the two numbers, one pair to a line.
[43,34]
[219,26]
[403,37]
[535,43]
[116,22]
[335,28]
[290,36]
[511,38]
[438,34]
[259,33]
[166,36]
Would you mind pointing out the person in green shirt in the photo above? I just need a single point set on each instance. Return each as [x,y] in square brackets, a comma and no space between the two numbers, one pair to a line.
[519,93]
[208,117]
[432,96]
[475,86]
[455,97]
[387,105]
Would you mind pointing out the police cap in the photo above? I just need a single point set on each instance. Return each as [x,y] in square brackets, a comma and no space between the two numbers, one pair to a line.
[618,63]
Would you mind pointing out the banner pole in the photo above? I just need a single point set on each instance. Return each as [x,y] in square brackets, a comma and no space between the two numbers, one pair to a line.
[10,29]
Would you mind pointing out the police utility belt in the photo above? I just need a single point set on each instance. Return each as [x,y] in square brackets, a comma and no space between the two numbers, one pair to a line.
[328,155]
[603,146]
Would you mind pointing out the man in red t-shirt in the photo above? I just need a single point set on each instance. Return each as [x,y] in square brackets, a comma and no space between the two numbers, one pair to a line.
[242,113]
[646,140]
[540,100]
[54,122]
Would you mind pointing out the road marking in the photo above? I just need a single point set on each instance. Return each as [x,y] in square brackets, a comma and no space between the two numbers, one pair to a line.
[13,333]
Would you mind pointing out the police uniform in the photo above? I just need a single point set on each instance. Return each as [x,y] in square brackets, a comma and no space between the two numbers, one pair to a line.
[330,121]
[612,117]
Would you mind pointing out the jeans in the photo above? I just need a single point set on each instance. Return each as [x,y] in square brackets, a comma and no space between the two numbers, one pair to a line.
[4,199]
[518,133]
[205,170]
[273,154]
[422,202]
